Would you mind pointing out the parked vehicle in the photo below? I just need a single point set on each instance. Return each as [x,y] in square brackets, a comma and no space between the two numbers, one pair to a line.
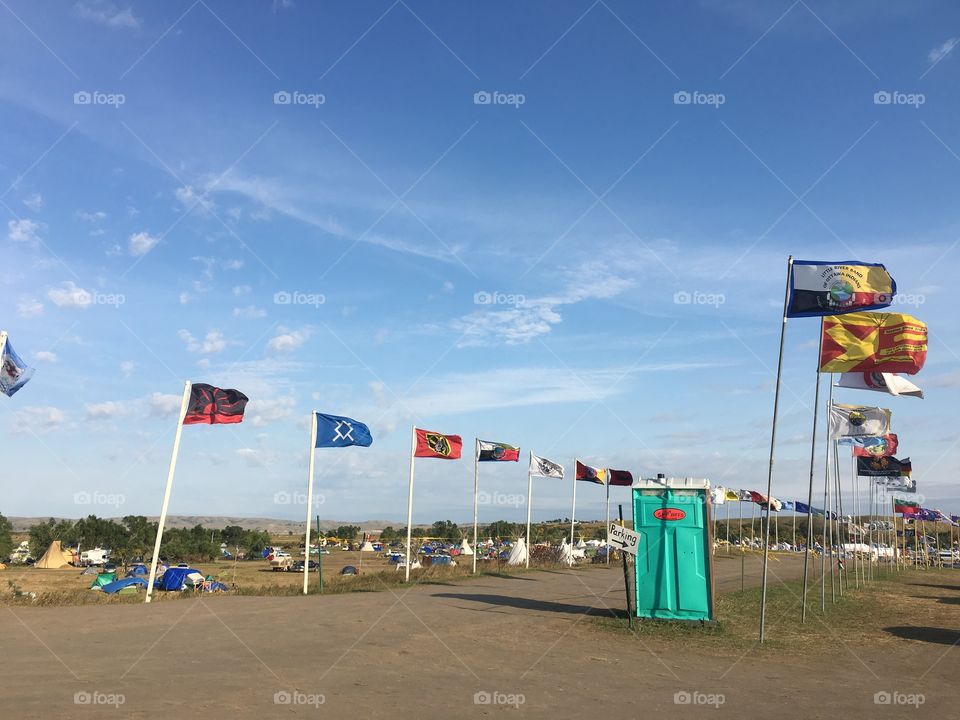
[298,566]
[95,556]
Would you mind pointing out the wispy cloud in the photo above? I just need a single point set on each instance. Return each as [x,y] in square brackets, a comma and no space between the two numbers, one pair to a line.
[107,14]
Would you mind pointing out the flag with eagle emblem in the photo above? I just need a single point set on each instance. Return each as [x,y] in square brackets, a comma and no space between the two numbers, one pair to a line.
[858,421]
[436,445]
[873,343]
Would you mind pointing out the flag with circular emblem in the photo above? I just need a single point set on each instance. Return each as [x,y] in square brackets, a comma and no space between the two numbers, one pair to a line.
[832,288]
[436,445]
[858,421]
[873,342]
[591,474]
[496,452]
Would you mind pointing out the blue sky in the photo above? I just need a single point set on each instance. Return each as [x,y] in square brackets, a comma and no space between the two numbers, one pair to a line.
[487,220]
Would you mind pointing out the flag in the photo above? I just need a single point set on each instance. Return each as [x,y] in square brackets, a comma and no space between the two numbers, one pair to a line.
[788,505]
[906,467]
[591,474]
[873,342]
[833,288]
[758,498]
[801,507]
[435,445]
[897,484]
[884,466]
[14,372]
[499,452]
[732,495]
[717,494]
[876,446]
[211,405]
[904,506]
[545,468]
[745,496]
[880,382]
[858,421]
[622,478]
[339,431]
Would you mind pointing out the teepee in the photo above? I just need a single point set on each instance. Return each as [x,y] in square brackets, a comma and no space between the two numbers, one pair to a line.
[581,544]
[465,548]
[518,554]
[566,553]
[367,547]
[54,557]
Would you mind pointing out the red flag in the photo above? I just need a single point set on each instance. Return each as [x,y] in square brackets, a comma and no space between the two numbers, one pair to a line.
[621,477]
[591,474]
[211,405]
[882,446]
[435,445]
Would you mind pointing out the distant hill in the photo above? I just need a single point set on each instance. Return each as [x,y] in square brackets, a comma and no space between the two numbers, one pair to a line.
[216,522]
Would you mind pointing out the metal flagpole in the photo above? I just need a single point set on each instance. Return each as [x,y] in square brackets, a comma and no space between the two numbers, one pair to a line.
[870,526]
[827,539]
[831,521]
[753,520]
[793,541]
[855,512]
[773,442]
[413,450]
[743,551]
[727,501]
[608,517]
[476,481]
[841,520]
[184,404]
[573,510]
[306,542]
[529,495]
[813,455]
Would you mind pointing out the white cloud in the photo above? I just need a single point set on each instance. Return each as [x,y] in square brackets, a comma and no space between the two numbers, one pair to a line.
[941,51]
[164,405]
[184,298]
[289,340]
[212,343]
[45,356]
[239,290]
[279,5]
[69,295]
[38,420]
[141,243]
[262,411]
[93,217]
[29,307]
[447,286]
[256,458]
[107,14]
[250,312]
[191,199]
[234,264]
[105,411]
[113,250]
[34,202]
[127,367]
[25,231]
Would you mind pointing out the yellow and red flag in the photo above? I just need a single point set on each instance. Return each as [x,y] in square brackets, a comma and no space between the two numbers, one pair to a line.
[436,445]
[873,342]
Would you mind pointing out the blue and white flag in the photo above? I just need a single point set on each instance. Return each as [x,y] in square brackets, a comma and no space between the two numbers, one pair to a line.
[14,373]
[339,431]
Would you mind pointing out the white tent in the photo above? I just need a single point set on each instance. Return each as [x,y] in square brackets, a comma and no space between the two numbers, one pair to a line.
[581,544]
[367,547]
[518,554]
[566,554]
[465,548]
[489,542]
[413,565]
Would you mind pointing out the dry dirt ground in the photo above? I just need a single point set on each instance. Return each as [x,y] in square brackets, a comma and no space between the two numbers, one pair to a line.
[542,644]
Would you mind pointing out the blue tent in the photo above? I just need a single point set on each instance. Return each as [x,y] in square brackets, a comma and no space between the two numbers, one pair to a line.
[138,570]
[118,585]
[175,578]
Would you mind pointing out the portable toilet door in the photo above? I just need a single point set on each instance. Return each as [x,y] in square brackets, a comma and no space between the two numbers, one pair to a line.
[674,565]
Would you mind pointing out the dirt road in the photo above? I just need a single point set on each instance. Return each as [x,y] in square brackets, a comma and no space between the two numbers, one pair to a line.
[515,646]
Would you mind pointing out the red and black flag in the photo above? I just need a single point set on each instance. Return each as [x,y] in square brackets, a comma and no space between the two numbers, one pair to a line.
[882,466]
[591,474]
[620,477]
[496,452]
[211,405]
[435,445]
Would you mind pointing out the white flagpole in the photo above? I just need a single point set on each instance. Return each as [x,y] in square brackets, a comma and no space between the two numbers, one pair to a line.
[529,497]
[773,441]
[184,403]
[413,450]
[476,480]
[608,517]
[306,542]
[813,457]
[573,510]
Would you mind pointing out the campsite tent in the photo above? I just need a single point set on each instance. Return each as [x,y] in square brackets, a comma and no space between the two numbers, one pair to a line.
[177,579]
[138,570]
[367,547]
[119,585]
[103,579]
[566,553]
[518,555]
[581,544]
[54,557]
[465,548]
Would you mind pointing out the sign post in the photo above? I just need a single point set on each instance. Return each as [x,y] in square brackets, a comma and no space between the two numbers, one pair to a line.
[627,541]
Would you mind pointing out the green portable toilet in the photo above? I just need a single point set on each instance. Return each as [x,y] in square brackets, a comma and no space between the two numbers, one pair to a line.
[674,565]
